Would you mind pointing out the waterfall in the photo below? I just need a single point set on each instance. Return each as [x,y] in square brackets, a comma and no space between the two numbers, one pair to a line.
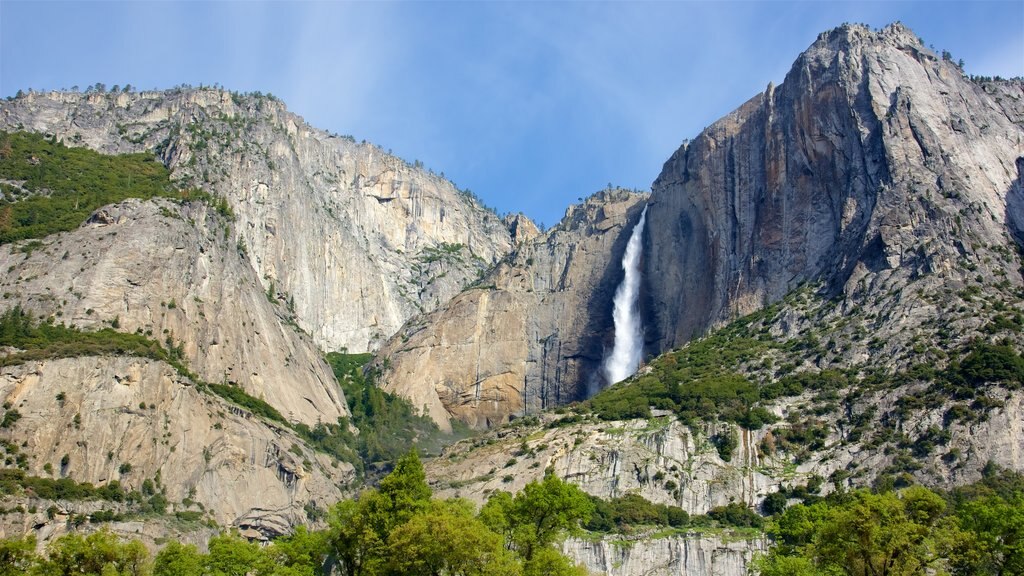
[624,358]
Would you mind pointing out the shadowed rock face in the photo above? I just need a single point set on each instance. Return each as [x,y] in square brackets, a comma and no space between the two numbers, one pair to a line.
[530,334]
[857,165]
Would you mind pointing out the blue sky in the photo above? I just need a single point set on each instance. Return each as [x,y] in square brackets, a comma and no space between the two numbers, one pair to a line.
[531,105]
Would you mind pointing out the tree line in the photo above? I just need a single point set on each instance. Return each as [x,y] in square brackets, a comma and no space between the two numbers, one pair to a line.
[395,529]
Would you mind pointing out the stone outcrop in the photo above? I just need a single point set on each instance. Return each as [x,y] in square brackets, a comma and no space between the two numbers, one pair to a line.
[873,163]
[85,417]
[527,336]
[668,462]
[355,240]
[664,556]
[521,228]
[168,271]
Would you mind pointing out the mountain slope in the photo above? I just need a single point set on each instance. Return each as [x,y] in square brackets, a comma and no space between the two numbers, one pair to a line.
[355,240]
[166,270]
[136,421]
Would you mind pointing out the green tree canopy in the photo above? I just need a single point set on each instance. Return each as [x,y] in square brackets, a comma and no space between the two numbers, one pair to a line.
[538,515]
[98,554]
[446,538]
[17,555]
[177,559]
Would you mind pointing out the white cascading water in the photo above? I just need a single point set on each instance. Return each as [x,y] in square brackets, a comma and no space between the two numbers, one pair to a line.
[629,339]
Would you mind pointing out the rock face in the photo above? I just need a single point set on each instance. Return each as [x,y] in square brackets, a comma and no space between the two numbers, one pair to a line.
[530,334]
[873,163]
[667,462]
[667,556]
[354,240]
[85,417]
[168,271]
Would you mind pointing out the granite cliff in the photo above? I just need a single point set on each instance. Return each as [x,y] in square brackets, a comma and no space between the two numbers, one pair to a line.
[222,287]
[875,164]
[355,240]
[869,213]
[168,271]
[137,421]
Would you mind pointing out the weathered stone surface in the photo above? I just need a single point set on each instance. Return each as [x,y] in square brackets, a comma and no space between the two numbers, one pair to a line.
[168,271]
[527,336]
[105,411]
[356,240]
[521,228]
[154,532]
[668,462]
[874,162]
[664,556]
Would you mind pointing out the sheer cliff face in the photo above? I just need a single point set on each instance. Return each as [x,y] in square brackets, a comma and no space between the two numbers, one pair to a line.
[873,163]
[530,334]
[355,240]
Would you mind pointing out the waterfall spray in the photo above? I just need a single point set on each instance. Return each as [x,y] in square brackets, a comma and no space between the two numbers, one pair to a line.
[629,339]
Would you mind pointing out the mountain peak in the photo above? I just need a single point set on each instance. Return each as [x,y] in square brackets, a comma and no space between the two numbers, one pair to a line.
[846,34]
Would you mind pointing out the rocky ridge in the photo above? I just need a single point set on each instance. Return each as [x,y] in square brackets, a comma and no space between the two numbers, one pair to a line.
[875,166]
[670,556]
[669,462]
[355,240]
[879,191]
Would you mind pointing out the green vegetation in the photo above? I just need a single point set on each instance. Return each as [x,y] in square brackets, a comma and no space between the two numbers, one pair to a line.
[37,341]
[632,514]
[698,381]
[14,482]
[624,513]
[99,554]
[58,187]
[388,424]
[237,396]
[534,519]
[731,375]
[396,529]
[444,251]
[977,530]
[986,364]
[150,500]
